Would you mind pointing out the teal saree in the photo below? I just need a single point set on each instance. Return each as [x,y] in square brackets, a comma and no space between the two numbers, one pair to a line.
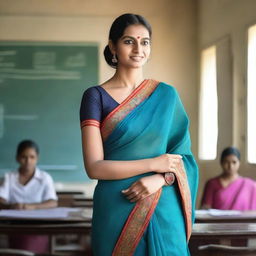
[150,122]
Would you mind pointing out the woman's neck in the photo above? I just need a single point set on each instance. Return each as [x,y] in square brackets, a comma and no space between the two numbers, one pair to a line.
[128,77]
[229,177]
[25,175]
[26,172]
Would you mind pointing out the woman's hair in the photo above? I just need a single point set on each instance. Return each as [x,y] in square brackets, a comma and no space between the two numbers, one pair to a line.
[229,151]
[117,30]
[23,145]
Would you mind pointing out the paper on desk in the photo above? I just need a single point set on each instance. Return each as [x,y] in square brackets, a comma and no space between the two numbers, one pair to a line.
[215,212]
[60,212]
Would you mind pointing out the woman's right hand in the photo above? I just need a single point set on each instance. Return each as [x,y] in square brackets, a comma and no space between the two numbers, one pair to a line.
[166,163]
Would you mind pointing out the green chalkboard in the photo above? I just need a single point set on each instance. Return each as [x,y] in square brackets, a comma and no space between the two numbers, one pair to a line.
[41,85]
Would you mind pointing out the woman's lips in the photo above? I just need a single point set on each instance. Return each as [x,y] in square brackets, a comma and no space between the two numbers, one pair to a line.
[136,58]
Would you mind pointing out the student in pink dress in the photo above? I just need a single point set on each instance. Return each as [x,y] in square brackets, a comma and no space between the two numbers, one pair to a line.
[28,188]
[229,190]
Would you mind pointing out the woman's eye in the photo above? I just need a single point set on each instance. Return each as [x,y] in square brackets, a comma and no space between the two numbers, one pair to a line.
[146,42]
[128,41]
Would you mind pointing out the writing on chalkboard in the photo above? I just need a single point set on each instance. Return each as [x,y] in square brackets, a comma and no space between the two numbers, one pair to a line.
[41,86]
[43,66]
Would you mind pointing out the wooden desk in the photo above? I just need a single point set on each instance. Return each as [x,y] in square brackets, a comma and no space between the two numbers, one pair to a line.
[69,215]
[224,230]
[221,233]
[40,228]
[77,222]
[69,200]
[246,216]
[69,192]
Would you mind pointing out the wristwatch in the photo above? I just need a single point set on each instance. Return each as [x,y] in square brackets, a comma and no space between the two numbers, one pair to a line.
[169,178]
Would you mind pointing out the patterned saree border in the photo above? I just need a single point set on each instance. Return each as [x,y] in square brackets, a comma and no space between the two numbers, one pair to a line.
[135,225]
[183,185]
[141,214]
[134,99]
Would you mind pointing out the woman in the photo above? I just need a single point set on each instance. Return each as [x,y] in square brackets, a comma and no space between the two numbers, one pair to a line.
[136,143]
[230,191]
[28,188]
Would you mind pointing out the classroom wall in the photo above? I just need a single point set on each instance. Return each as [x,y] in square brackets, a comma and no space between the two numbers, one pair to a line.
[174,49]
[220,20]
[174,34]
[181,28]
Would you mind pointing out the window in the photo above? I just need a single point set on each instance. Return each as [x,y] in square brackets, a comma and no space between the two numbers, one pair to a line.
[208,112]
[251,95]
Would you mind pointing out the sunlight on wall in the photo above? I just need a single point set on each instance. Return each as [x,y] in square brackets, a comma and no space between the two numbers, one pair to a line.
[251,95]
[208,112]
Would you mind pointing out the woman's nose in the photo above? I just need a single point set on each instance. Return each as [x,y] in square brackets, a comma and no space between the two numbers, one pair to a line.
[137,47]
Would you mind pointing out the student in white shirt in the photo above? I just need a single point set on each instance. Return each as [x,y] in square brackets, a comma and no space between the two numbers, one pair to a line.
[28,188]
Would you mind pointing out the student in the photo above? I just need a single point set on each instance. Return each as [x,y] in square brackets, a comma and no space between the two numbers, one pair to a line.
[229,190]
[135,136]
[28,188]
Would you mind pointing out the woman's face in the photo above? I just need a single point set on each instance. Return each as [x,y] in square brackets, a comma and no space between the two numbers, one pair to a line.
[133,48]
[28,159]
[230,165]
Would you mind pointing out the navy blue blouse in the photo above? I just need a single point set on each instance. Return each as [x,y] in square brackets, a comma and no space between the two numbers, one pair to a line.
[96,104]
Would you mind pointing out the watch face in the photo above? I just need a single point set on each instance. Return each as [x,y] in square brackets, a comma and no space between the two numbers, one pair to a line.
[169,178]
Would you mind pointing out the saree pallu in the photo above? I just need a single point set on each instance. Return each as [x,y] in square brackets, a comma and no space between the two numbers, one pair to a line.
[150,122]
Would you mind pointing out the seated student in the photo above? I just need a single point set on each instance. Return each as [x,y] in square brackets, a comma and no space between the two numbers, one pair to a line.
[229,190]
[28,188]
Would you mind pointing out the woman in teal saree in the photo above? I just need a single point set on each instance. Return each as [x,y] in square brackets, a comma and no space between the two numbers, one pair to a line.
[137,210]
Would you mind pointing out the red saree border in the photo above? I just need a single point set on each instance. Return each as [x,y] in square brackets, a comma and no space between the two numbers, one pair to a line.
[90,122]
[181,177]
[139,217]
[141,214]
[133,100]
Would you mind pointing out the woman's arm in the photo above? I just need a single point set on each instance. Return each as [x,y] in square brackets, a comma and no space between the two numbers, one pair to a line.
[144,187]
[98,168]
[24,206]
[44,205]
[4,204]
[207,198]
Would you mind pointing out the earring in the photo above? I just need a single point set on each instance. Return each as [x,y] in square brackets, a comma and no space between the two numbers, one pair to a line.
[114,59]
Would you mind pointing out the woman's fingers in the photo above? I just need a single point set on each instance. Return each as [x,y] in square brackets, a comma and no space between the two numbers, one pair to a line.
[176,156]
[174,162]
[129,190]
[134,196]
[141,196]
[144,187]
[134,192]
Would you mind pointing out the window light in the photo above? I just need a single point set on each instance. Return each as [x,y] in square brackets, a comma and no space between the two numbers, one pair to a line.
[208,112]
[251,95]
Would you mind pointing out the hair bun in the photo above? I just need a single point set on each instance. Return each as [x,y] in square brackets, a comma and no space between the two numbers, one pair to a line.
[109,56]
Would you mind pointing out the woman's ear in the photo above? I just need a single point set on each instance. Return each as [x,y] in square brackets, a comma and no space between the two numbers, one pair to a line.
[112,47]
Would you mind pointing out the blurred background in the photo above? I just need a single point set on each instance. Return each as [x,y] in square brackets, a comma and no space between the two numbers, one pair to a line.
[51,51]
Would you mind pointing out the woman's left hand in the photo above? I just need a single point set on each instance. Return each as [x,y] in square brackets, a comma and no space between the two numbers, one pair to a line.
[144,187]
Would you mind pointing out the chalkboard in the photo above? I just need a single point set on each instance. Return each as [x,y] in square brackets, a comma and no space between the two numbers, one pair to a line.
[41,85]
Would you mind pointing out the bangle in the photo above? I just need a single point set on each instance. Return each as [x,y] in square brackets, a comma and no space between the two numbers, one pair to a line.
[169,178]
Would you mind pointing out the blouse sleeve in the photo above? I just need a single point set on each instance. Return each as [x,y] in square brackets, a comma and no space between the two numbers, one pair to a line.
[91,108]
[208,194]
[49,190]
